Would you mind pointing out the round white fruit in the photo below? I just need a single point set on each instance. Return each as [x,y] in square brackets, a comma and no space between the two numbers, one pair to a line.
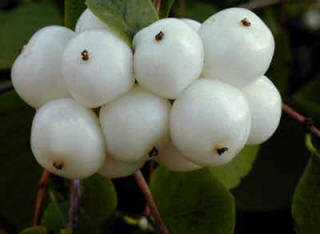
[97,67]
[66,139]
[88,21]
[210,122]
[168,57]
[238,46]
[117,169]
[195,25]
[265,106]
[36,73]
[172,159]
[135,125]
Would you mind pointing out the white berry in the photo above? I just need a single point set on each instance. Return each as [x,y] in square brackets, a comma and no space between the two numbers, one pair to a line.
[238,46]
[88,21]
[135,125]
[66,139]
[97,67]
[195,25]
[117,169]
[36,73]
[265,106]
[210,122]
[168,57]
[171,158]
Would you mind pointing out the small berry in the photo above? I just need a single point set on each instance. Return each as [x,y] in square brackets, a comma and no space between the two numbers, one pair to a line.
[66,139]
[238,46]
[36,73]
[168,57]
[135,125]
[102,73]
[265,107]
[210,122]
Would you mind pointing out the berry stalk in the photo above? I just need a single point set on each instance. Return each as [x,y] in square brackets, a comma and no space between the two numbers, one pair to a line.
[42,187]
[150,201]
[74,203]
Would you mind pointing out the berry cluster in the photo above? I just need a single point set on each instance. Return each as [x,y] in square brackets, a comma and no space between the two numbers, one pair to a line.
[200,94]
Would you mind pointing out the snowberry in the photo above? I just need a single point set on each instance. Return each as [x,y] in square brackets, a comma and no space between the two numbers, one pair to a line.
[210,122]
[135,125]
[97,67]
[117,169]
[265,106]
[195,25]
[171,158]
[66,139]
[88,21]
[36,73]
[238,46]
[168,57]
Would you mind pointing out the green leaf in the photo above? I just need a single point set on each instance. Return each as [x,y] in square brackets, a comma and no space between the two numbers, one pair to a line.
[18,25]
[193,202]
[34,230]
[308,98]
[126,17]
[99,199]
[19,172]
[270,184]
[306,200]
[72,12]
[165,8]
[55,217]
[231,174]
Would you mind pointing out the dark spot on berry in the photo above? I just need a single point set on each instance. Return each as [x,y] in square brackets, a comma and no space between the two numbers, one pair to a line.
[85,55]
[58,165]
[153,152]
[159,36]
[221,149]
[245,22]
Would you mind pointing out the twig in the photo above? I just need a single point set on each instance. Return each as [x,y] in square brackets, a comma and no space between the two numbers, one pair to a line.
[301,119]
[157,5]
[43,183]
[74,203]
[152,205]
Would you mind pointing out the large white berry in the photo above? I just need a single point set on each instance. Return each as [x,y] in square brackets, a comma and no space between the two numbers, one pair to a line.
[66,139]
[265,106]
[88,21]
[97,67]
[210,122]
[135,125]
[36,73]
[168,57]
[171,158]
[238,46]
[116,169]
[195,25]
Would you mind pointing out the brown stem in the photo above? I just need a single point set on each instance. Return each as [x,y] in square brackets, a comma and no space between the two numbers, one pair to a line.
[259,4]
[157,5]
[152,205]
[74,203]
[301,119]
[42,187]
